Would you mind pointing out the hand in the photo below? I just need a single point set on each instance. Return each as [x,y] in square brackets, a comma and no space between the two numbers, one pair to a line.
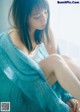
[74,105]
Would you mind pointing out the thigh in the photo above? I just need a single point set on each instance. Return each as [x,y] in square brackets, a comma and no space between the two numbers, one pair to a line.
[48,66]
[51,79]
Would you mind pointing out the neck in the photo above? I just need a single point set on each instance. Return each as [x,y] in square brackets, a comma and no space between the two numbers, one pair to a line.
[31,34]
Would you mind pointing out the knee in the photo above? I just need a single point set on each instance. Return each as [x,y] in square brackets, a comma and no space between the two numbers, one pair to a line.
[57,59]
[66,57]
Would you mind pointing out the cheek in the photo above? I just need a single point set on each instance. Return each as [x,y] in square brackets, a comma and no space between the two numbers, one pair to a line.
[36,24]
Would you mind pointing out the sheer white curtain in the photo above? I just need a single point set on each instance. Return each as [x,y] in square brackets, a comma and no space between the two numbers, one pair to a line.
[65,23]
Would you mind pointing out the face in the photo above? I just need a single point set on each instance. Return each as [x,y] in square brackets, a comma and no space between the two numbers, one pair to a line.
[38,19]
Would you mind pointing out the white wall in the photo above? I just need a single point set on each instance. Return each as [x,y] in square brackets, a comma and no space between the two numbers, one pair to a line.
[65,22]
[4,8]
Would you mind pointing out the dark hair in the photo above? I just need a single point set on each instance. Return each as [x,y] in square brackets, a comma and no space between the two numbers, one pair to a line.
[21,10]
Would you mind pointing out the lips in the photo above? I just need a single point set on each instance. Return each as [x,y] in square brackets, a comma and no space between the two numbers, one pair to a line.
[43,25]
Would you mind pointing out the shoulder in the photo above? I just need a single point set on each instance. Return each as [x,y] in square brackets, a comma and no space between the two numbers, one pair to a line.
[3,34]
[2,38]
[2,46]
[15,38]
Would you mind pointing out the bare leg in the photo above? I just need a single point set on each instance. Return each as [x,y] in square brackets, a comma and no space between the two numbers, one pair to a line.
[56,64]
[73,66]
[51,78]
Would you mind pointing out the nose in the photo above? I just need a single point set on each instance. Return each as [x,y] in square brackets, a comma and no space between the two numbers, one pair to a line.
[43,19]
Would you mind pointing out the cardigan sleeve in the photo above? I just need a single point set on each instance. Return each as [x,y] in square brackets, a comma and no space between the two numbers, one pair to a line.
[66,96]
[41,93]
[32,85]
[61,93]
[36,89]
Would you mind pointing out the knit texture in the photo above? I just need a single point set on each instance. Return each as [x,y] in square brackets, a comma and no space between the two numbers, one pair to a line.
[23,83]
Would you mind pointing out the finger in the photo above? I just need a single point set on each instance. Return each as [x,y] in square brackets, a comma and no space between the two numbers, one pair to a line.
[77,107]
[71,109]
[74,104]
[69,104]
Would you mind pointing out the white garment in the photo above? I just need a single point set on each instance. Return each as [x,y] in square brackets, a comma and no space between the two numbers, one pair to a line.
[39,53]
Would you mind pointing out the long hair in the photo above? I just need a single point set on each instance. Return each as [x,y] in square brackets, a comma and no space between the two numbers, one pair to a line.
[21,11]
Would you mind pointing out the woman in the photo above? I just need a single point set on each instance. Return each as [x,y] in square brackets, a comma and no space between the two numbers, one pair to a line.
[24,56]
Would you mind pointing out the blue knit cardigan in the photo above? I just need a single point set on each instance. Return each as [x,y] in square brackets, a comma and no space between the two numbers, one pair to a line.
[23,84]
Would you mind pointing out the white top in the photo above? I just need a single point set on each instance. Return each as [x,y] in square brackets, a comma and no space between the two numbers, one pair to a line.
[39,53]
